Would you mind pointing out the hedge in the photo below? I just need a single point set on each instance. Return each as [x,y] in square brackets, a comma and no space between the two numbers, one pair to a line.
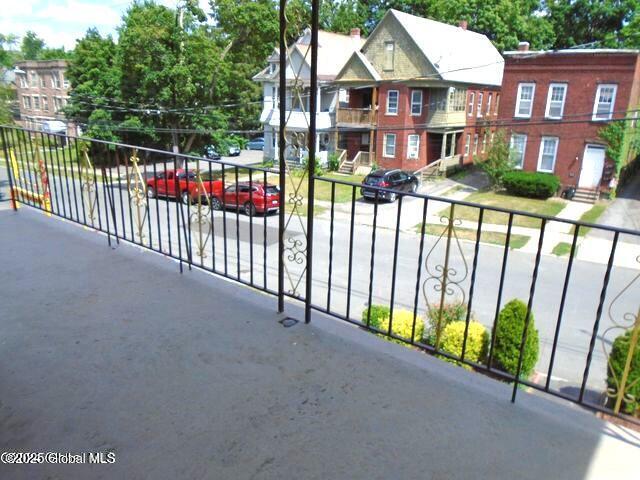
[531,184]
[509,329]
[616,364]
[402,323]
[477,341]
[451,312]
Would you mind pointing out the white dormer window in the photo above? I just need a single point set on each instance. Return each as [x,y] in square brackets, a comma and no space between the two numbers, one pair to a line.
[272,68]
[524,103]
[389,51]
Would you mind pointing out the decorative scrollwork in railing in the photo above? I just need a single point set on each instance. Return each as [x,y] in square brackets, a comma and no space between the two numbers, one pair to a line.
[88,185]
[295,234]
[443,278]
[623,389]
[200,216]
[137,195]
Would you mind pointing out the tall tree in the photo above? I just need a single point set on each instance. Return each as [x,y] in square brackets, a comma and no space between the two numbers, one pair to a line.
[31,46]
[581,22]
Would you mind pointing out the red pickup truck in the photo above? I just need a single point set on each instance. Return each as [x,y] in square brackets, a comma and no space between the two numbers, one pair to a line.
[250,197]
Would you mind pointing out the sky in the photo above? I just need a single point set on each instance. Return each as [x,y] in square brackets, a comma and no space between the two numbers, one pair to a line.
[60,22]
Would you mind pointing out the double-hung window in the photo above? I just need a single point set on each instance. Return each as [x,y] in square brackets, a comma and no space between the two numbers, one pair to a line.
[517,148]
[605,99]
[489,98]
[555,100]
[524,102]
[26,102]
[548,151]
[416,102]
[390,145]
[36,102]
[413,146]
[467,144]
[392,102]
[472,100]
[475,144]
[389,50]
[480,95]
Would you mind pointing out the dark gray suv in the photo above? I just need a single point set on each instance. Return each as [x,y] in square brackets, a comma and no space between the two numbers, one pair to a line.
[392,179]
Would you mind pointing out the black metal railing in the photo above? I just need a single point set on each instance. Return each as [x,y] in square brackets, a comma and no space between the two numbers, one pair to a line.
[396,269]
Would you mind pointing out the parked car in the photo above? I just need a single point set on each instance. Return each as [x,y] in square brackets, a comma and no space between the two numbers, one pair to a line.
[211,153]
[177,184]
[234,151]
[393,179]
[256,144]
[251,198]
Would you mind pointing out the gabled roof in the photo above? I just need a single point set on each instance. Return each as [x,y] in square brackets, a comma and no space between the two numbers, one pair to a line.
[334,49]
[358,58]
[457,54]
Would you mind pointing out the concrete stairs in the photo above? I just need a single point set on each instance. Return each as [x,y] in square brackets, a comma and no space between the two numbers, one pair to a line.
[586,195]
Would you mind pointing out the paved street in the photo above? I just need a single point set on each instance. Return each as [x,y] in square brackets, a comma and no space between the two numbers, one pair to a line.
[159,230]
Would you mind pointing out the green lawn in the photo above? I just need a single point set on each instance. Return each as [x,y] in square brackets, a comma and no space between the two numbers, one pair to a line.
[323,188]
[496,238]
[548,207]
[562,249]
[590,216]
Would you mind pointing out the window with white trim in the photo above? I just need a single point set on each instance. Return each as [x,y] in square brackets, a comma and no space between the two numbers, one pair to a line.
[480,95]
[390,145]
[495,109]
[472,101]
[26,102]
[484,143]
[489,98]
[467,144]
[475,144]
[416,102]
[517,146]
[65,82]
[413,146]
[548,151]
[392,102]
[604,102]
[555,100]
[36,102]
[23,81]
[524,102]
[45,103]
[55,80]
[33,79]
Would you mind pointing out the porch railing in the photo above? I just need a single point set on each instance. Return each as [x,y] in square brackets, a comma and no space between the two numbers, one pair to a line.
[354,116]
[434,274]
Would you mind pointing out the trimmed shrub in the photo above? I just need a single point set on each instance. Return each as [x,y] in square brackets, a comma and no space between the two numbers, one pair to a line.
[531,184]
[333,163]
[402,323]
[477,341]
[451,312]
[509,329]
[615,369]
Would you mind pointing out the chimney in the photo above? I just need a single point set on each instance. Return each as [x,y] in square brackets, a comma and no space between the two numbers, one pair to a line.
[463,24]
[355,33]
[523,47]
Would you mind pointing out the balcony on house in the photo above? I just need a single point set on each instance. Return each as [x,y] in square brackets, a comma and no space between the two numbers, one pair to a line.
[356,108]
[446,108]
[297,109]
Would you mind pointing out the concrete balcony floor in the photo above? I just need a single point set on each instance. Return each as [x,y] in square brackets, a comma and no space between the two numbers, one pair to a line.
[190,376]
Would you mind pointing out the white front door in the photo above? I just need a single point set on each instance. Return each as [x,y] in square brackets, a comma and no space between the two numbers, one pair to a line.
[592,165]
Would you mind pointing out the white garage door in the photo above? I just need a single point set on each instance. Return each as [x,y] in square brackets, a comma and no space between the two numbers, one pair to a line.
[592,165]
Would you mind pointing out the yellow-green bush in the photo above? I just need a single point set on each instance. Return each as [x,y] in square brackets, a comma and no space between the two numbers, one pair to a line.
[402,325]
[477,341]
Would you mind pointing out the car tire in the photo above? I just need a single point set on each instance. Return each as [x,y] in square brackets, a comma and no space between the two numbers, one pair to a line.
[249,209]
[216,204]
[392,197]
[151,193]
[186,198]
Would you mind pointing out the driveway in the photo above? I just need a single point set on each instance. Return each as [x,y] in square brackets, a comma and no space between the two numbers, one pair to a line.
[624,211]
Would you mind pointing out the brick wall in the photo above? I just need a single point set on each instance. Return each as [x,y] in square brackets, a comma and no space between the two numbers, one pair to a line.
[582,72]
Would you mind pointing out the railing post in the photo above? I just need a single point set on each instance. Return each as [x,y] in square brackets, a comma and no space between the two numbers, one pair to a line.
[311,164]
[282,95]
[12,195]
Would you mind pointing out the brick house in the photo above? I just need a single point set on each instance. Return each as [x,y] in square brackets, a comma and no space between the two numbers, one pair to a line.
[554,104]
[415,93]
[42,92]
